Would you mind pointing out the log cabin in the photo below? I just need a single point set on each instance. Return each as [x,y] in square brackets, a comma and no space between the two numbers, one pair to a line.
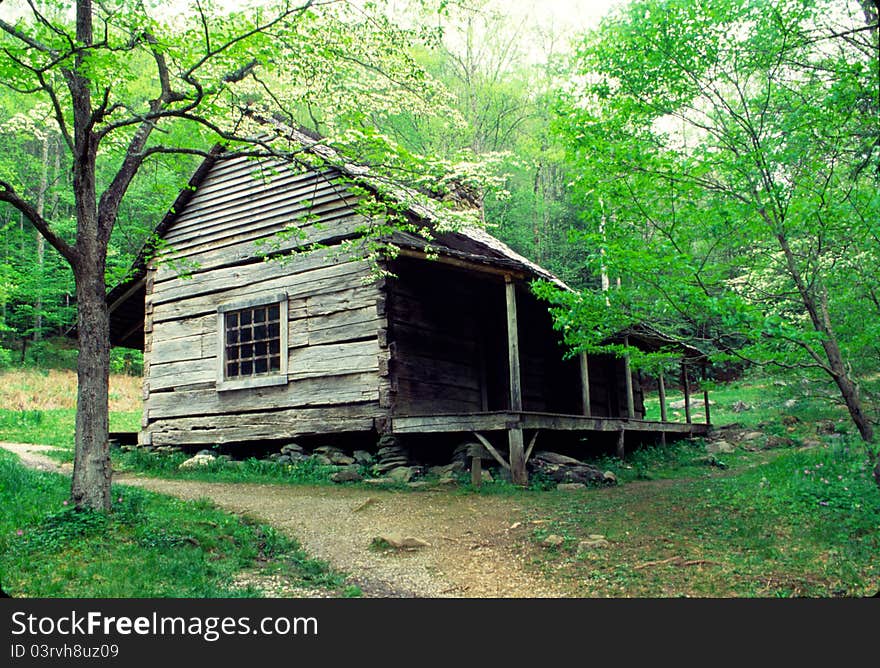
[263,319]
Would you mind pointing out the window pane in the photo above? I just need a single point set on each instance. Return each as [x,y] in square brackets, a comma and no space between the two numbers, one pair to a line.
[231,352]
[247,334]
[260,365]
[273,331]
[259,332]
[274,346]
[247,350]
[275,364]
[260,349]
[247,368]
[232,336]
[274,312]
[231,370]
[260,314]
[246,317]
[231,320]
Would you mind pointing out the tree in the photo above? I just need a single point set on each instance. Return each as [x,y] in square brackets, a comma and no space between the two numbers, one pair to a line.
[729,156]
[209,76]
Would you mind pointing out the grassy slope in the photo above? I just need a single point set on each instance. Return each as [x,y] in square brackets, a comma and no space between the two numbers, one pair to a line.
[149,546]
[802,520]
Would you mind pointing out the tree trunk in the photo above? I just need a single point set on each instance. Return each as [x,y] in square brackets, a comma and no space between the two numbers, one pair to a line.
[91,468]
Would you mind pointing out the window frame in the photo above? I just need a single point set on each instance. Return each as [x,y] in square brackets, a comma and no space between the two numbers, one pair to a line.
[264,380]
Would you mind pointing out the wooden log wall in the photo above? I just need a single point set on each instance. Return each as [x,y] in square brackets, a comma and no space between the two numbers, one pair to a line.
[215,257]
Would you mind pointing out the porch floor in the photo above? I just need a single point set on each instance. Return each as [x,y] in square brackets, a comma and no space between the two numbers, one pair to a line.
[506,420]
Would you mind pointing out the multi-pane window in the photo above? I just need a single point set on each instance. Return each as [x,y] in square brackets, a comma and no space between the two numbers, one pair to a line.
[253,342]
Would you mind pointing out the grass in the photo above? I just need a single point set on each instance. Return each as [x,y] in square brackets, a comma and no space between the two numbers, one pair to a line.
[39,406]
[789,523]
[150,545]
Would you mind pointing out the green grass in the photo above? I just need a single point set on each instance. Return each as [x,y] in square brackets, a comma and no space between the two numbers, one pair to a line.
[786,523]
[54,426]
[150,545]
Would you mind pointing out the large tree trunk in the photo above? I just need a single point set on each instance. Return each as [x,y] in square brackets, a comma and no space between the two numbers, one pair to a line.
[91,469]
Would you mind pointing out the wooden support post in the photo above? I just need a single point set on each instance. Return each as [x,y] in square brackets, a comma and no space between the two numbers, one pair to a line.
[513,346]
[585,385]
[518,473]
[621,451]
[476,471]
[706,397]
[662,387]
[630,401]
[687,393]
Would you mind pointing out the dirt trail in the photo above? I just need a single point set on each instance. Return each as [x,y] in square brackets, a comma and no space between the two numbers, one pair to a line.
[473,550]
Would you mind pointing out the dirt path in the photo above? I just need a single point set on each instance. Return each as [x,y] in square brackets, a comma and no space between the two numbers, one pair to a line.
[473,552]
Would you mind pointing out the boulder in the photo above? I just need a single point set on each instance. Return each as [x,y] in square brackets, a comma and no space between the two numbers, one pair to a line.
[284,459]
[750,436]
[570,486]
[209,453]
[720,447]
[349,474]
[609,478]
[401,474]
[323,460]
[197,461]
[399,542]
[341,459]
[593,542]
[290,447]
[363,457]
[555,458]
[553,541]
[778,442]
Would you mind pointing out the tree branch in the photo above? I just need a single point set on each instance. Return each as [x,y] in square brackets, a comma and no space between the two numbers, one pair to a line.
[9,195]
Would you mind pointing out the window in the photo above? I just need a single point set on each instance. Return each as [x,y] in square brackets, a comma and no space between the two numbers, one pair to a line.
[253,343]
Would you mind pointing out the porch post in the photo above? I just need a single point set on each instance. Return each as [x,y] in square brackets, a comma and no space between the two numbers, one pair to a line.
[630,401]
[706,397]
[518,472]
[662,388]
[585,385]
[687,392]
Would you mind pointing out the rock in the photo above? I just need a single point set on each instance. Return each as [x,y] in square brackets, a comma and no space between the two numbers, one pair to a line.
[790,420]
[553,541]
[378,482]
[209,453]
[811,443]
[327,450]
[556,458]
[750,436]
[825,427]
[322,460]
[291,447]
[341,459]
[446,481]
[720,447]
[197,461]
[789,403]
[609,478]
[740,406]
[401,474]
[593,542]
[284,459]
[778,442]
[346,475]
[570,486]
[487,476]
[363,457]
[448,470]
[462,453]
[399,542]
[418,484]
